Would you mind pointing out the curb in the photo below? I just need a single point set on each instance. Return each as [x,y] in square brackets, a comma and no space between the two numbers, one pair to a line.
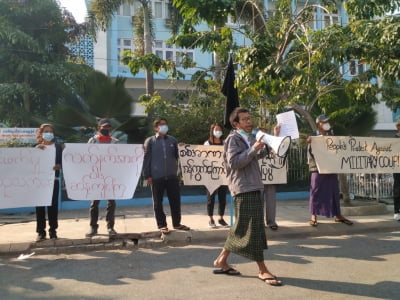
[153,239]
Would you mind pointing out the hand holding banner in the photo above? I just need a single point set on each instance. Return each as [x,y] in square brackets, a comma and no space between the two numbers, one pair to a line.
[102,171]
[341,154]
[26,176]
[204,165]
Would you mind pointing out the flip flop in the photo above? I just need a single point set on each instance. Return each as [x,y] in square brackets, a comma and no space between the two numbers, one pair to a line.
[274,227]
[344,220]
[230,272]
[182,227]
[164,230]
[266,279]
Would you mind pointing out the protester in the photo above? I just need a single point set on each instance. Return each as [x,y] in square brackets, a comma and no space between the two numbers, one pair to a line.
[324,188]
[103,136]
[45,138]
[270,194]
[215,138]
[247,236]
[396,184]
[160,169]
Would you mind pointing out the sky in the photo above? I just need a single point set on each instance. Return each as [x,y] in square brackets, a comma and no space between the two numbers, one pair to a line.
[76,7]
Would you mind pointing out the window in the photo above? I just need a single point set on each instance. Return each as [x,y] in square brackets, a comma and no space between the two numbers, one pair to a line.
[329,19]
[170,52]
[356,67]
[128,10]
[160,9]
[123,44]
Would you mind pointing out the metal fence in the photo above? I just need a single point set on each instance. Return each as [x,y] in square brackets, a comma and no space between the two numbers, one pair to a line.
[297,168]
[373,186]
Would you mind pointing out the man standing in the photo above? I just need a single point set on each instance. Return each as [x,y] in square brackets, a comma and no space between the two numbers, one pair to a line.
[103,136]
[160,169]
[247,236]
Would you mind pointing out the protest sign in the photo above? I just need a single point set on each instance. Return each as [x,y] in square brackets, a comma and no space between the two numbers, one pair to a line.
[341,154]
[204,165]
[101,171]
[26,176]
[287,122]
[273,169]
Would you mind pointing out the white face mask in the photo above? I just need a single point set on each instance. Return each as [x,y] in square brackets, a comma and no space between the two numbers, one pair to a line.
[217,133]
[48,136]
[163,129]
[326,126]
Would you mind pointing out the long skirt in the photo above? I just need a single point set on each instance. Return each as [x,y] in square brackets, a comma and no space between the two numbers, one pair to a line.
[324,195]
[247,236]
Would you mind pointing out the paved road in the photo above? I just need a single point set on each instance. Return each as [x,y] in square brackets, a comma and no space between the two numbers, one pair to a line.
[360,266]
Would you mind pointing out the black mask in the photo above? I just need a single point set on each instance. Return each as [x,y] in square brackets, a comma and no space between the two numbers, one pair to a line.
[105,132]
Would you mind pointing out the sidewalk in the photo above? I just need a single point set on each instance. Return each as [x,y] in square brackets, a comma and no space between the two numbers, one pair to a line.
[137,229]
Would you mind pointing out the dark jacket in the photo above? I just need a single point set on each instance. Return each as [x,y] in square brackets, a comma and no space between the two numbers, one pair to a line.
[160,157]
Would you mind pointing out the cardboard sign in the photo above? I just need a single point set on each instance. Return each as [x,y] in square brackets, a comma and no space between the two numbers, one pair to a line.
[273,169]
[204,165]
[102,171]
[26,176]
[341,154]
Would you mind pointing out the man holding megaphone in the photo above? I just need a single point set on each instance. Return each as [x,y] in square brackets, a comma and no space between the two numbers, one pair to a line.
[247,236]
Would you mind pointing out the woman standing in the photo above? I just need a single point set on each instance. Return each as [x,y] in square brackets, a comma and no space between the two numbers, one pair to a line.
[215,138]
[324,188]
[45,138]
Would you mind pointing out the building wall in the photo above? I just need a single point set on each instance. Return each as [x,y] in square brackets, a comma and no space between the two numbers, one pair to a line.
[106,59]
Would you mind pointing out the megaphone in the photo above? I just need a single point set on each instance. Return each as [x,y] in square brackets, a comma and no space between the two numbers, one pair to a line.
[279,144]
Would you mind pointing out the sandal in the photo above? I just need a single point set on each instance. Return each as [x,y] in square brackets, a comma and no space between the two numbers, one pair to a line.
[344,220]
[230,271]
[313,223]
[274,281]
[274,227]
[164,230]
[182,227]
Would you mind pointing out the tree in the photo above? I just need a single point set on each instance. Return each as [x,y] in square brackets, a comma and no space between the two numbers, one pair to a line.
[100,97]
[101,14]
[287,63]
[376,26]
[34,73]
[190,116]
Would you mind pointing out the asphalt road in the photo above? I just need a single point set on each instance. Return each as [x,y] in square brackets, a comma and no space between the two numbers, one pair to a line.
[330,267]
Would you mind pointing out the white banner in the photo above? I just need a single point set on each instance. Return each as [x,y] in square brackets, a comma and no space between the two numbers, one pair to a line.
[273,169]
[204,165]
[102,171]
[343,154]
[26,177]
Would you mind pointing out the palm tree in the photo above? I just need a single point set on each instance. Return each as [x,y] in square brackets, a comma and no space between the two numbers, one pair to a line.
[100,97]
[101,13]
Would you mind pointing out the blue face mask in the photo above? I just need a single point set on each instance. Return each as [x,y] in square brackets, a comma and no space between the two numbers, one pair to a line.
[163,129]
[48,136]
[241,131]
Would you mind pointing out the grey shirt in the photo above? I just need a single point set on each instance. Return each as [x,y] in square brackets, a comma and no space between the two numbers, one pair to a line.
[241,163]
